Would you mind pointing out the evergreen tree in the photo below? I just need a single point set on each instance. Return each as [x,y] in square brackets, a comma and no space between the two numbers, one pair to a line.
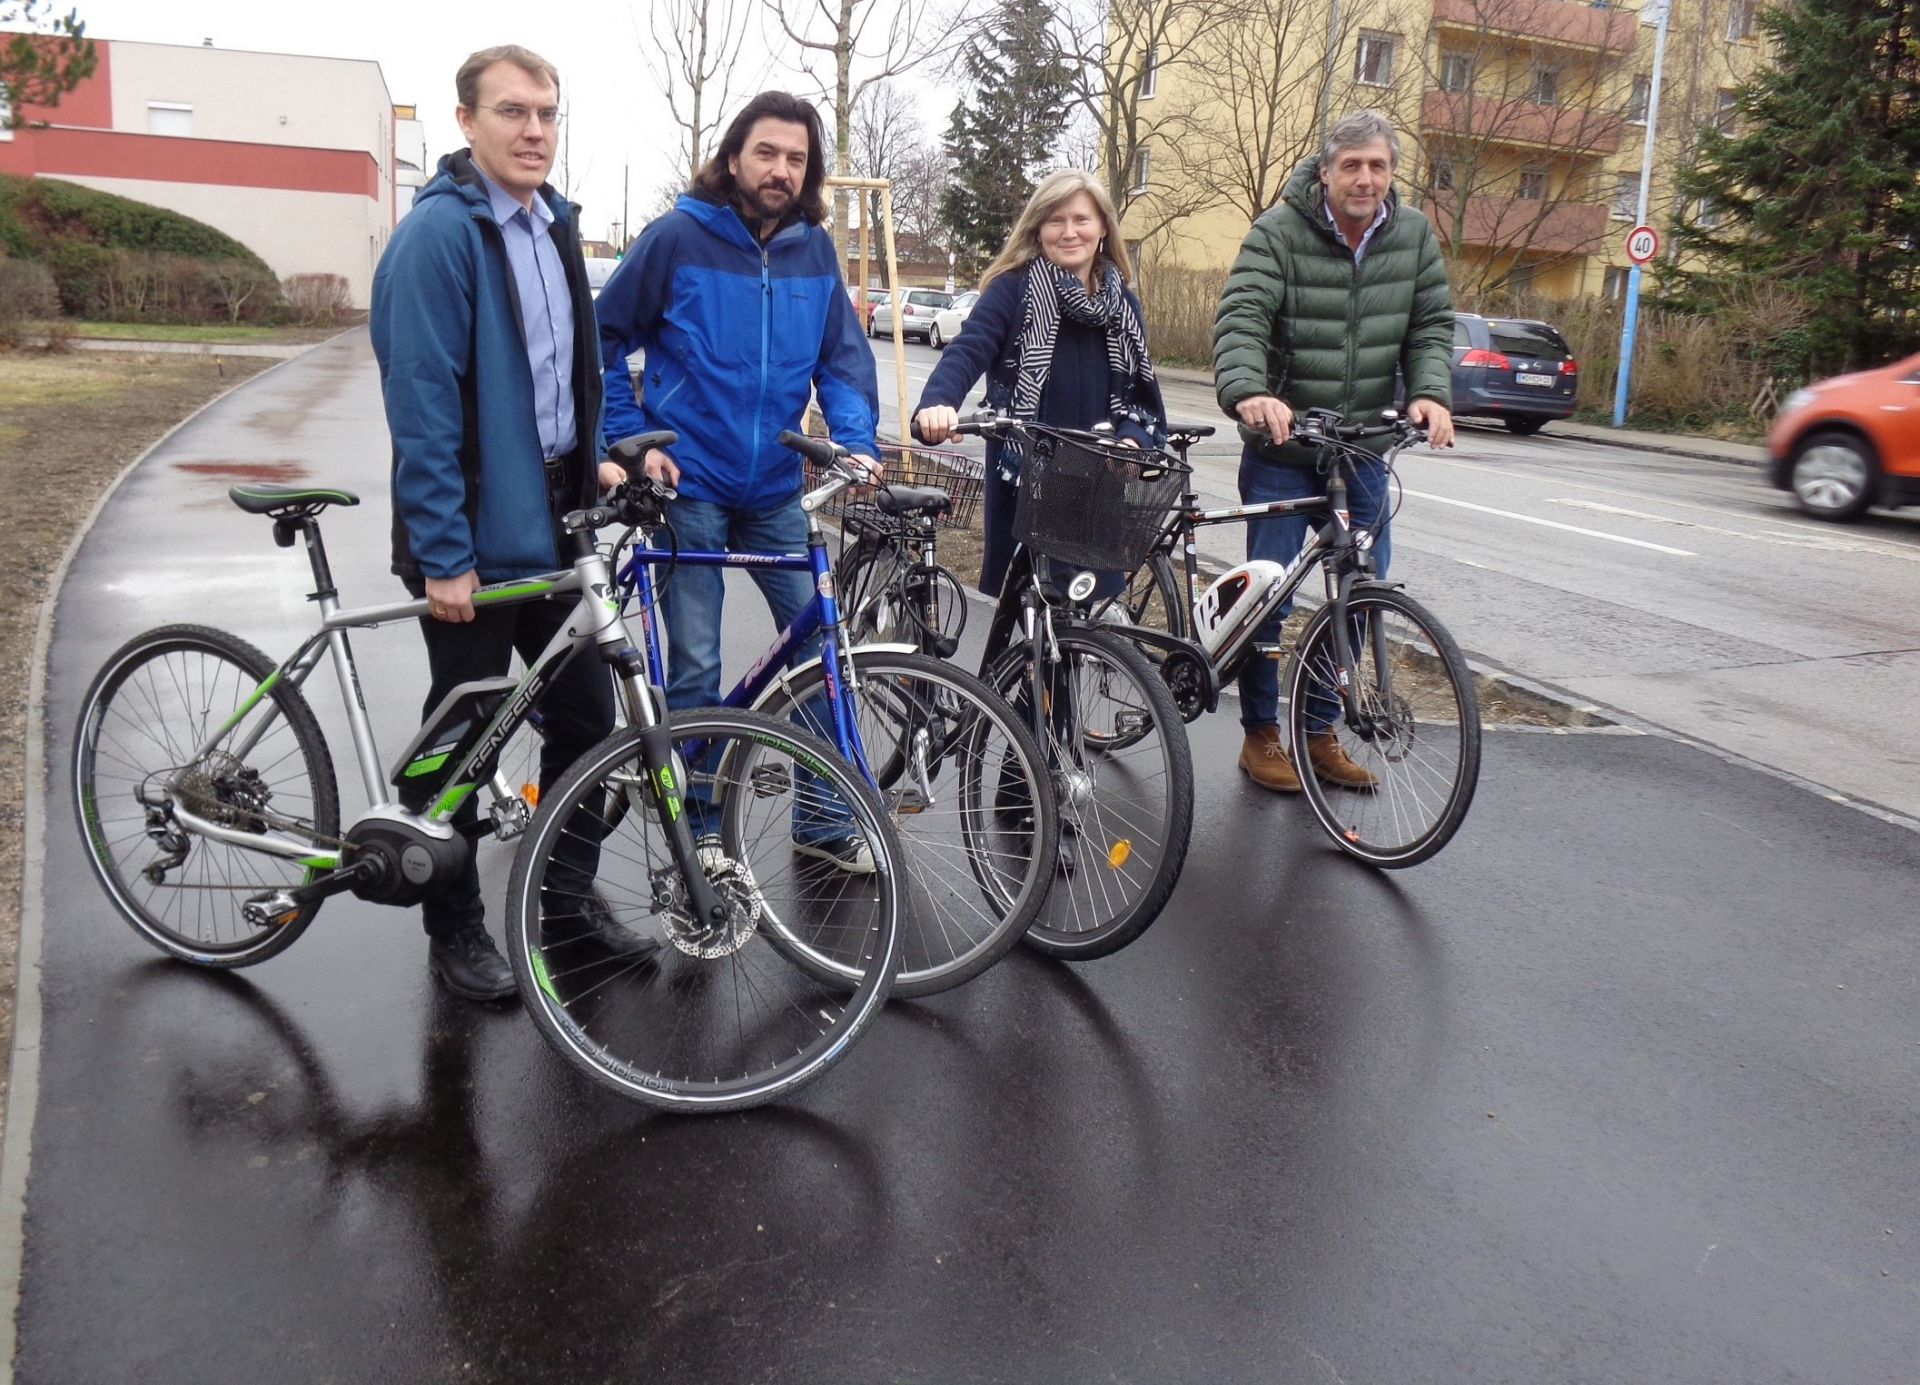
[1007,130]
[1817,187]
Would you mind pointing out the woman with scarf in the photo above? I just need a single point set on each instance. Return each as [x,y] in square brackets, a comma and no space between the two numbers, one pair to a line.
[1058,333]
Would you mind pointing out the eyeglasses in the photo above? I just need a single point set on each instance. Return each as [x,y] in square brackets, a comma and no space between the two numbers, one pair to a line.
[517,115]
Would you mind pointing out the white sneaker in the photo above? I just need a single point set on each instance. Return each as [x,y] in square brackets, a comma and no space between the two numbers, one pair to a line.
[850,853]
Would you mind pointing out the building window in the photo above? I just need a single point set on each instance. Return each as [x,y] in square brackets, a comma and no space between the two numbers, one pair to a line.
[1546,86]
[1640,100]
[1740,19]
[1456,71]
[1142,168]
[6,125]
[1150,73]
[1440,175]
[1533,184]
[1626,196]
[170,118]
[1709,215]
[1726,112]
[1614,288]
[1520,278]
[1373,61]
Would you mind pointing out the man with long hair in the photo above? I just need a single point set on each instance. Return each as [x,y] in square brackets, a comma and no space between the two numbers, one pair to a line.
[737,300]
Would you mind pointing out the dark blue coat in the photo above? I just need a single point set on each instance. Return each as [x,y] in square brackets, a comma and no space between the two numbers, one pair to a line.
[738,335]
[469,493]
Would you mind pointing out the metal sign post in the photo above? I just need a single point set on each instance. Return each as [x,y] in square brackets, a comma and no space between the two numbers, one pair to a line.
[1631,319]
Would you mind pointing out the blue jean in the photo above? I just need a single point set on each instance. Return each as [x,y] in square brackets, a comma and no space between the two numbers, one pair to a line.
[691,600]
[1280,540]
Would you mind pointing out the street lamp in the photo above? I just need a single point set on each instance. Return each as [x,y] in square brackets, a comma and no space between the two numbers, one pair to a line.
[1631,320]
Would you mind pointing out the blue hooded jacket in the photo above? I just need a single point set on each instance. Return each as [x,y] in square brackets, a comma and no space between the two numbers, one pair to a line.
[468,489]
[737,335]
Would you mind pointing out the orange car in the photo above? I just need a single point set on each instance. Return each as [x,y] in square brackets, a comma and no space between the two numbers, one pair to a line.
[1850,442]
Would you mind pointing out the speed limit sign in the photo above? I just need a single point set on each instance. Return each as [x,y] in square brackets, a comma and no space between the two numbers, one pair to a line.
[1643,243]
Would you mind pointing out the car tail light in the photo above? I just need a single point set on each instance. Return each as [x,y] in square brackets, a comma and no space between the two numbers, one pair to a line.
[1485,360]
[1569,367]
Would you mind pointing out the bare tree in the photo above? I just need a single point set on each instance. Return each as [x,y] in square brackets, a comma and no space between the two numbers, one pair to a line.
[887,138]
[882,38]
[1520,105]
[1258,89]
[701,41]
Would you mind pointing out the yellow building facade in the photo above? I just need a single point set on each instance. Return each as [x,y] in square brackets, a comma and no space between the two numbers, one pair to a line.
[1523,122]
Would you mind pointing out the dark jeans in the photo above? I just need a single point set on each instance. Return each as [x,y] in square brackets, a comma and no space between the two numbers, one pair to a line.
[577,712]
[1280,539]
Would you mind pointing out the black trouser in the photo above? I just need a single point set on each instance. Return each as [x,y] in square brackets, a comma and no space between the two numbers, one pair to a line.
[577,711]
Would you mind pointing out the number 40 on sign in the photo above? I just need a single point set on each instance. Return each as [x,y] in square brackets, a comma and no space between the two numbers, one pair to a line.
[1643,243]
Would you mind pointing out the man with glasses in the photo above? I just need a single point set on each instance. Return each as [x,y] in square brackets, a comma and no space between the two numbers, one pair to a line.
[489,366]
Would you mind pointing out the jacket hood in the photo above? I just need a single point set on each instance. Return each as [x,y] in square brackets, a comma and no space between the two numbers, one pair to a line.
[456,176]
[722,220]
[1305,195]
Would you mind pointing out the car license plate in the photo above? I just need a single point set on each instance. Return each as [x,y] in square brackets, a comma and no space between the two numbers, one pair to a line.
[1546,380]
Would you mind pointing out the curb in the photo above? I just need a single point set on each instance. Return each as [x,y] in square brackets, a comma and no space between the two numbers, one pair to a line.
[23,1095]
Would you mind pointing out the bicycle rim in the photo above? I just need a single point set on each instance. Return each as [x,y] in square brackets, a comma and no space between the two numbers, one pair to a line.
[711,1021]
[966,788]
[1417,734]
[153,706]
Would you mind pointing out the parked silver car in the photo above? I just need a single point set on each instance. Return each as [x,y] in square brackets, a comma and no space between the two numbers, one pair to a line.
[950,319]
[916,320]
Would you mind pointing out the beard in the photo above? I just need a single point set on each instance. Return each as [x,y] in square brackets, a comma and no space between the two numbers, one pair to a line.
[771,202]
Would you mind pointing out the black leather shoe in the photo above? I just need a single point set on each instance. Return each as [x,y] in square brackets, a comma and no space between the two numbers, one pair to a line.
[581,928]
[468,964]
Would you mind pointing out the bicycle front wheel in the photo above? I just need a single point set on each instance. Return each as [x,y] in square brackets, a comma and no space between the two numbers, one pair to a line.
[967,788]
[716,1018]
[1123,776]
[1409,758]
[186,717]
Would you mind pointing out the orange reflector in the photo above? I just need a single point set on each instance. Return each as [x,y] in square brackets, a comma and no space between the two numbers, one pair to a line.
[1120,853]
[531,794]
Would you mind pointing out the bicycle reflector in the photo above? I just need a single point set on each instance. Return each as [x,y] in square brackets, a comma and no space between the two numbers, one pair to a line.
[1120,853]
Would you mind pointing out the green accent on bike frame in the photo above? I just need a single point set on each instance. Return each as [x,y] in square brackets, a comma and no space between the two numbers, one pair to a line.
[451,800]
[252,701]
[538,961]
[426,766]
[487,596]
[313,863]
[666,792]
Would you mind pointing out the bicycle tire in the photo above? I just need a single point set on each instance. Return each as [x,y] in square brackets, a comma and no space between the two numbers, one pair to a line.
[979,855]
[151,706]
[1128,838]
[1421,744]
[881,598]
[634,1027]
[1150,599]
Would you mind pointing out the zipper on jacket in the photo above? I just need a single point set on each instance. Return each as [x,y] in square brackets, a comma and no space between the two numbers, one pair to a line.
[766,338]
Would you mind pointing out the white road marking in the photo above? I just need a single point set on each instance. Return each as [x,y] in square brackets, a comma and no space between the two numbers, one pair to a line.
[1822,542]
[1552,524]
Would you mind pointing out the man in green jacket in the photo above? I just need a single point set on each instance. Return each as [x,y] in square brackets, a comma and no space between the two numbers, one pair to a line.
[1335,288]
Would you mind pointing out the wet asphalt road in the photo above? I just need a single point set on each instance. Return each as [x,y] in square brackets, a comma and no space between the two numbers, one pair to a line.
[1619,1087]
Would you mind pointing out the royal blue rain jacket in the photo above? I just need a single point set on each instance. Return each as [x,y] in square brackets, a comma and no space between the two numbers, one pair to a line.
[469,492]
[737,334]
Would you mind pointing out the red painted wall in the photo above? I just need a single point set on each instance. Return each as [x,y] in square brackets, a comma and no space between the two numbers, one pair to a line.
[89,104]
[169,159]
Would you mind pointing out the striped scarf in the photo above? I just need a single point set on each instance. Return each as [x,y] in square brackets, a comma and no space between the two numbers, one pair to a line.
[1052,292]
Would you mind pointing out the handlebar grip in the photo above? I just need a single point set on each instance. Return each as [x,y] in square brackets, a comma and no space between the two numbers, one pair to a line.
[818,449]
[636,447]
[913,431]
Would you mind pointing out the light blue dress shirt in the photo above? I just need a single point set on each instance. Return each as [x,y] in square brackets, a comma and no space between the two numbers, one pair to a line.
[1360,253]
[546,313]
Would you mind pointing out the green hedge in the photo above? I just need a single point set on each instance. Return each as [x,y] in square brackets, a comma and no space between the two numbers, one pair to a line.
[38,213]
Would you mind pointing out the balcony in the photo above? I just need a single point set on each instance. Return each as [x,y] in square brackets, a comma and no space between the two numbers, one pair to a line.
[1555,23]
[1514,223]
[1522,124]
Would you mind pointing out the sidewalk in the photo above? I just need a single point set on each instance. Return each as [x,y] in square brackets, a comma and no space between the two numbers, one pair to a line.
[1676,444]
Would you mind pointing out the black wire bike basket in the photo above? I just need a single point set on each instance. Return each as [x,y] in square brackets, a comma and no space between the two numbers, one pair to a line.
[1092,505]
[959,475]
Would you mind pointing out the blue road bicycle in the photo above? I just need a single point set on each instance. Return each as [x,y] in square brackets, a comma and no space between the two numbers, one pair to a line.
[963,780]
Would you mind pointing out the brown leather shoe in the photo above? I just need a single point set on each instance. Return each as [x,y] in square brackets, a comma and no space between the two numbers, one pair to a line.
[1330,761]
[1263,760]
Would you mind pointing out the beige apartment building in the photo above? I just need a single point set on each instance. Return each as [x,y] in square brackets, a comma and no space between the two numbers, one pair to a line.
[1524,124]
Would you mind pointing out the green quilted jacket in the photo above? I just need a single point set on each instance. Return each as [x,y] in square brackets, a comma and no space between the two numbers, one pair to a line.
[1301,321]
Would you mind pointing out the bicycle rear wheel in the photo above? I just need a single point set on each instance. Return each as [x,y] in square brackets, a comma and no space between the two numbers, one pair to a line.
[887,599]
[178,716]
[1123,775]
[708,1022]
[1417,733]
[967,788]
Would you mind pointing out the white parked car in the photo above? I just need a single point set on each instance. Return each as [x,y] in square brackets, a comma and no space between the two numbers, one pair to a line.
[598,272]
[916,318]
[948,321]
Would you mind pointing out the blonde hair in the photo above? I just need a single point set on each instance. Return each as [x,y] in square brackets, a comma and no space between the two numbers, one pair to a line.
[1023,246]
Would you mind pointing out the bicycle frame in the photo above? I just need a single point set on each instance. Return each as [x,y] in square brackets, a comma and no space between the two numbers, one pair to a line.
[596,619]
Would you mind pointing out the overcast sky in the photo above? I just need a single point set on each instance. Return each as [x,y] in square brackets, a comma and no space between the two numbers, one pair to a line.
[615,112]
